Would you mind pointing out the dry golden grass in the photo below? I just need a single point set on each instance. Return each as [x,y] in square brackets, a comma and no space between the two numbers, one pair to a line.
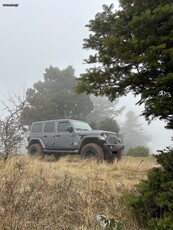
[67,194]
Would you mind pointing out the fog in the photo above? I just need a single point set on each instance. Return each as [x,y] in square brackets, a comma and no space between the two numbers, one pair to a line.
[37,34]
[160,137]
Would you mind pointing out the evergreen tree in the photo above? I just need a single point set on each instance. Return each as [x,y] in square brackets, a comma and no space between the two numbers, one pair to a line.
[153,203]
[133,133]
[54,98]
[133,53]
[109,124]
[104,114]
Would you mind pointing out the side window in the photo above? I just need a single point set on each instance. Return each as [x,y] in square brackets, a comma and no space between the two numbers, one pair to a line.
[49,127]
[36,128]
[62,126]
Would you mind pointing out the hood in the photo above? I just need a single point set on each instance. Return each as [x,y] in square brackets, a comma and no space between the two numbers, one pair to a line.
[94,132]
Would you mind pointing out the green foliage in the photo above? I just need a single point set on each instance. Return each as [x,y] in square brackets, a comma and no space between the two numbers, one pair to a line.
[154,202]
[103,115]
[133,52]
[55,98]
[133,133]
[139,151]
[108,124]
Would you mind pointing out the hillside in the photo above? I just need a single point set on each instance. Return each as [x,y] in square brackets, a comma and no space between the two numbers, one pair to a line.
[67,194]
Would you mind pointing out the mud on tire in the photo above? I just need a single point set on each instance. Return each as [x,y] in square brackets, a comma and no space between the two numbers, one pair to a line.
[36,150]
[93,151]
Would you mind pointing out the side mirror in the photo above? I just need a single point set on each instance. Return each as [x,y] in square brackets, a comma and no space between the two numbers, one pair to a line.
[69,129]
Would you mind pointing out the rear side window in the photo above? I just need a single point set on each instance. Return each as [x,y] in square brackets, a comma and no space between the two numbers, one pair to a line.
[49,127]
[36,128]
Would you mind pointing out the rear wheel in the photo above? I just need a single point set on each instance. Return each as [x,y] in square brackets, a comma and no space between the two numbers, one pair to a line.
[36,151]
[93,151]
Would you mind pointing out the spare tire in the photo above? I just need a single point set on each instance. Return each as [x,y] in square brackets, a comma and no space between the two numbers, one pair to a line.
[92,151]
[36,150]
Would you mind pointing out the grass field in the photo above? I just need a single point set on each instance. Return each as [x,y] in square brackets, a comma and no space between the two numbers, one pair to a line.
[67,194]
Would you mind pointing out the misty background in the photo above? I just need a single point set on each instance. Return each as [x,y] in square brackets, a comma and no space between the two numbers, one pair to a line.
[37,34]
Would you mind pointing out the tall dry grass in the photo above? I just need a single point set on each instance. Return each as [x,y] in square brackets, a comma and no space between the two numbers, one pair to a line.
[67,194]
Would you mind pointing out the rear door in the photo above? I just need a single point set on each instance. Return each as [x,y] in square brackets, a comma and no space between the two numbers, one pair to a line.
[49,135]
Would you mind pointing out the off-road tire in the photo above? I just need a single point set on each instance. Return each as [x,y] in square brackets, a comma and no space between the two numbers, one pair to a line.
[119,155]
[92,151]
[110,158]
[36,150]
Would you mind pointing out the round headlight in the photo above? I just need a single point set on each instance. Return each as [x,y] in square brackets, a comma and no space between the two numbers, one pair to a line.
[104,135]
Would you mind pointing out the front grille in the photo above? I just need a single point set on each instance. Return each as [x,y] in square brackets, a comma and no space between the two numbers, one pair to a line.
[112,139]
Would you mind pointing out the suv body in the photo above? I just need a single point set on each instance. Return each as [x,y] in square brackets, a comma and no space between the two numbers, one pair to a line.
[69,136]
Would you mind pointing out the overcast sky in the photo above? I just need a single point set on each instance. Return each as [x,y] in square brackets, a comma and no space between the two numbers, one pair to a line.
[40,33]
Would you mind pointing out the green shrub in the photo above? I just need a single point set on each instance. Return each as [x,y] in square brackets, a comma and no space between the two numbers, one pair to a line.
[139,151]
[153,203]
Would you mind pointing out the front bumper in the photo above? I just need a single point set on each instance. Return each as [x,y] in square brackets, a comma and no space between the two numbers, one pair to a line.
[114,147]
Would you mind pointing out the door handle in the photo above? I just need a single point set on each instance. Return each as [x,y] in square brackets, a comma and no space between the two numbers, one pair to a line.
[57,135]
[45,136]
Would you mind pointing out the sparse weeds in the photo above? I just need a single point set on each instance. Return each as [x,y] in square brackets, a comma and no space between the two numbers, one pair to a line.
[65,194]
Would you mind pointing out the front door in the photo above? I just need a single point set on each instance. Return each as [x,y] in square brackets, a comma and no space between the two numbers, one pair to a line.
[63,138]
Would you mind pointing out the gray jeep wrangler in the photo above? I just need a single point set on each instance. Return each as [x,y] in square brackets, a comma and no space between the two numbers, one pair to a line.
[66,136]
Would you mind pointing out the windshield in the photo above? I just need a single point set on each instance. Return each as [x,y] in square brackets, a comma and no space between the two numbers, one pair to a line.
[80,125]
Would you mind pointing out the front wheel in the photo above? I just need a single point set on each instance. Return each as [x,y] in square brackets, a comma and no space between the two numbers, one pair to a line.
[93,151]
[109,158]
[36,150]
